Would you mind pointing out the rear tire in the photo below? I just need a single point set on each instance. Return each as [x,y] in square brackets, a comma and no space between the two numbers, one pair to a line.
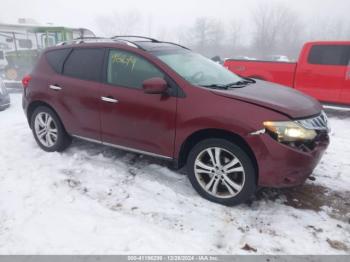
[48,130]
[221,172]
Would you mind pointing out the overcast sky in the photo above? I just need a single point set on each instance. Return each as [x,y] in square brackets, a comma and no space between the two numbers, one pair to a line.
[165,13]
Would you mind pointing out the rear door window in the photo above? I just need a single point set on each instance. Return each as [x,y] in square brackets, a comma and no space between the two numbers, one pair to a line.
[85,63]
[329,55]
[129,70]
[56,58]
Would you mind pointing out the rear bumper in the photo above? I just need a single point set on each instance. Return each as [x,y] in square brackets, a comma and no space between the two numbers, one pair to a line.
[283,166]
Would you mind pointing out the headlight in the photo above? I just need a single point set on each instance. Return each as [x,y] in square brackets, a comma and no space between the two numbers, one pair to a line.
[289,131]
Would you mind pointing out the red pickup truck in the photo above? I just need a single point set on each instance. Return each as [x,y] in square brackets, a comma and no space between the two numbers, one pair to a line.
[322,71]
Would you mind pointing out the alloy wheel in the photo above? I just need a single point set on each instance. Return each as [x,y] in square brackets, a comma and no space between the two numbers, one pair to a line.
[219,172]
[46,129]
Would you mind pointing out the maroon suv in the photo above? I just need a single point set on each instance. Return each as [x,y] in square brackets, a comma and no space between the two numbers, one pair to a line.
[161,99]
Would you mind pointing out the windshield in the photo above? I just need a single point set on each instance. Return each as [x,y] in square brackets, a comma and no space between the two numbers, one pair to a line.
[197,69]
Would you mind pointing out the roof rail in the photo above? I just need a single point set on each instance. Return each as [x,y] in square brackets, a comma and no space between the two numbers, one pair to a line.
[121,38]
[184,47]
[136,36]
[81,40]
[130,43]
[147,38]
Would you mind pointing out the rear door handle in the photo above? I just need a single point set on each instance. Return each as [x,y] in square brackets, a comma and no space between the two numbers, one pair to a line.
[55,87]
[109,99]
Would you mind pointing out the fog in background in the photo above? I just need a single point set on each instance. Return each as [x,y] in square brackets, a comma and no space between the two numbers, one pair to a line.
[223,27]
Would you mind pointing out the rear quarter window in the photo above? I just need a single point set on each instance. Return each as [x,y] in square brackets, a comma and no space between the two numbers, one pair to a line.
[56,58]
[85,63]
[329,55]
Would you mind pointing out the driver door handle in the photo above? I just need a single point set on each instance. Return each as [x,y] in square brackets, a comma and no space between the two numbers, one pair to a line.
[109,99]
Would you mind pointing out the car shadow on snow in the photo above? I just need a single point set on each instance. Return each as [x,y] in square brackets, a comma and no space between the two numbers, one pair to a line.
[136,165]
[94,149]
[312,197]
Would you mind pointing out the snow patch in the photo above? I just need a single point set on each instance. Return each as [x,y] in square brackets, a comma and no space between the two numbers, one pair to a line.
[93,199]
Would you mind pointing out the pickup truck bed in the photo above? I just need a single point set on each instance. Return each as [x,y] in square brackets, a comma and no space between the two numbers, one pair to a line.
[278,72]
[322,71]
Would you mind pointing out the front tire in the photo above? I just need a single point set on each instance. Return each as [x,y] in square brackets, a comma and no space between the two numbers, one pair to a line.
[221,172]
[48,130]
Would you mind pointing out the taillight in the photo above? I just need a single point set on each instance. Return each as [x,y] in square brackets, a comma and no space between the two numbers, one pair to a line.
[26,80]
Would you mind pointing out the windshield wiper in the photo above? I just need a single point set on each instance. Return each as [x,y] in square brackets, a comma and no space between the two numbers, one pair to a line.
[241,83]
[215,86]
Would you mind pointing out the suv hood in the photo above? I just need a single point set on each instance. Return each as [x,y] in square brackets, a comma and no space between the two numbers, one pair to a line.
[279,98]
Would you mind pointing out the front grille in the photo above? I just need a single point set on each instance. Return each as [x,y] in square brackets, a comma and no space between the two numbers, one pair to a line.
[320,125]
[319,122]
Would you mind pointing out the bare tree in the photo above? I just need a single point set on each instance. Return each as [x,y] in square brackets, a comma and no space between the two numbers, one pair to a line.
[234,34]
[275,26]
[164,34]
[200,32]
[183,35]
[216,34]
[206,35]
[290,38]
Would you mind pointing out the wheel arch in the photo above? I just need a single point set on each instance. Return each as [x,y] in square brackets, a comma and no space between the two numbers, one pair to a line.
[200,135]
[34,105]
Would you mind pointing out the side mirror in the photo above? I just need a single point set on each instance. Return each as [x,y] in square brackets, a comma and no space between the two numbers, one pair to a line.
[155,85]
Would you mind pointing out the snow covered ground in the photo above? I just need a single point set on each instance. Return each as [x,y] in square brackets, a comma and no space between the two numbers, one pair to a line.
[93,199]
